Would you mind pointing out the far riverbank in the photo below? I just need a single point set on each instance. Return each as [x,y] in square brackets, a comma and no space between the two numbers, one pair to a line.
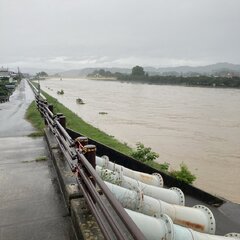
[138,75]
[201,81]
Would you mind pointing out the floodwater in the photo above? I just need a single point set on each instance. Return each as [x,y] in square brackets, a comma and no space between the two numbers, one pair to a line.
[197,126]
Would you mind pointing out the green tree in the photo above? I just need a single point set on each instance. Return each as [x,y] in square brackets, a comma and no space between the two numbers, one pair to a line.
[184,174]
[42,74]
[138,71]
[102,72]
[144,154]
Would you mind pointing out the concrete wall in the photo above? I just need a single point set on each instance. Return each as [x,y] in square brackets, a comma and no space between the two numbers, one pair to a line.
[84,222]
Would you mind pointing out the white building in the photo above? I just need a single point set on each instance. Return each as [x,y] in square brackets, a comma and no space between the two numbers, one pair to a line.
[4,73]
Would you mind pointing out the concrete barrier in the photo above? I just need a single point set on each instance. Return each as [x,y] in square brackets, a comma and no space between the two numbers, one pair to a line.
[66,178]
[84,223]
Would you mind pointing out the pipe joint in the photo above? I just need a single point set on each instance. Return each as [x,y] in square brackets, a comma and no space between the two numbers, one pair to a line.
[210,218]
[159,178]
[106,160]
[169,226]
[233,235]
[180,195]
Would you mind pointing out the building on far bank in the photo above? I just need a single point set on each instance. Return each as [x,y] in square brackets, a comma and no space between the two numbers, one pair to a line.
[4,73]
[8,75]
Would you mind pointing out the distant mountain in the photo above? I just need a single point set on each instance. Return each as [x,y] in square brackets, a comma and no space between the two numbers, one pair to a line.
[177,71]
[205,70]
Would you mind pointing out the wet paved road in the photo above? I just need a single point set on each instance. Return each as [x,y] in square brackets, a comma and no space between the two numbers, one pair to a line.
[31,205]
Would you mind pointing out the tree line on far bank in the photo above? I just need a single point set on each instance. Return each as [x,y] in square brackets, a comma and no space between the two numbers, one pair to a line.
[139,75]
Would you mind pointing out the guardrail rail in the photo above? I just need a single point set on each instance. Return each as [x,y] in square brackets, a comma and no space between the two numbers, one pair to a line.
[113,220]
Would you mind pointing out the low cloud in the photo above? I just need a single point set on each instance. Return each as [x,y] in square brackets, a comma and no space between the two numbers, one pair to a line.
[113,33]
[66,63]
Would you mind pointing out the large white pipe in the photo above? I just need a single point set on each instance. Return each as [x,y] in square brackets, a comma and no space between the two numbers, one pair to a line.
[187,233]
[153,228]
[155,179]
[172,195]
[199,218]
[163,228]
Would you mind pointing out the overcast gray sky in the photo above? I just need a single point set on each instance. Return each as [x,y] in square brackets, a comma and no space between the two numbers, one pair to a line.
[68,34]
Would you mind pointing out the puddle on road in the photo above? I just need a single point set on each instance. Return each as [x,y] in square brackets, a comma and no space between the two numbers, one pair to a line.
[37,159]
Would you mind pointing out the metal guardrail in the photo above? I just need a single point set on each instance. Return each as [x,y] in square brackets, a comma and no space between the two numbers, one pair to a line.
[112,219]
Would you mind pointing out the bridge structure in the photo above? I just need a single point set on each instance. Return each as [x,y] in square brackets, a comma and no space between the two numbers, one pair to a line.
[123,198]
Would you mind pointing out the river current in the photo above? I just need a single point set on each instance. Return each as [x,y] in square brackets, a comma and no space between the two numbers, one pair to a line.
[197,126]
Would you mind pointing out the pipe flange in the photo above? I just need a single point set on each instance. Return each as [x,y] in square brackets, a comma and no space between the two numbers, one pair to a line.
[234,235]
[140,197]
[180,195]
[211,220]
[120,173]
[160,179]
[169,225]
[106,159]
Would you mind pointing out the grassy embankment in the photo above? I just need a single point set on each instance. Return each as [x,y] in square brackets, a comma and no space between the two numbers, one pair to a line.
[34,117]
[74,122]
[77,124]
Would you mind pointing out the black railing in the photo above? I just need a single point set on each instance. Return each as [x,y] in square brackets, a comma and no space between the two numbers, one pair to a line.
[111,217]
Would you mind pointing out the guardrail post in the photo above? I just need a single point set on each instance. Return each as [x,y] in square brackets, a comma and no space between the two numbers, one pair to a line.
[50,107]
[90,154]
[81,140]
[38,88]
[40,106]
[62,121]
[44,104]
[45,122]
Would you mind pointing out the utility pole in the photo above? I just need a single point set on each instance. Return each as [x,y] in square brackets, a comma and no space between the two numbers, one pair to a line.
[19,74]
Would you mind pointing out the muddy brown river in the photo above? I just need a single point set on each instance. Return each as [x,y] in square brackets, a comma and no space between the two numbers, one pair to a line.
[197,126]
